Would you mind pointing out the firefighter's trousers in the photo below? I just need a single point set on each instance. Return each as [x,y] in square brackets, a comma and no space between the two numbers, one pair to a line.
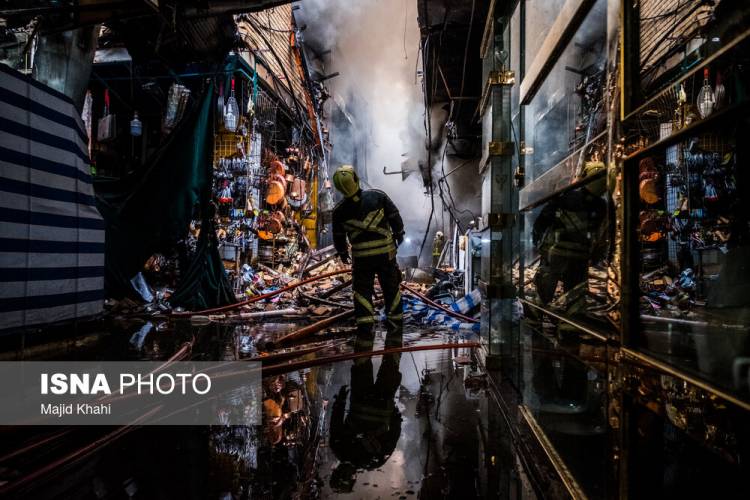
[364,270]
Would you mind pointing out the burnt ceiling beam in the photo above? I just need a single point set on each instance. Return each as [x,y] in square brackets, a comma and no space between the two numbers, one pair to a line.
[447,23]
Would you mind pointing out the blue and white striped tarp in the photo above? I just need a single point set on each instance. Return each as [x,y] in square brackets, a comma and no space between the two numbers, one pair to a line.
[435,317]
[51,234]
[467,302]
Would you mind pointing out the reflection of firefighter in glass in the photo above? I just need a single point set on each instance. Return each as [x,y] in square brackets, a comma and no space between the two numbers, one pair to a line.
[569,234]
[366,436]
[373,226]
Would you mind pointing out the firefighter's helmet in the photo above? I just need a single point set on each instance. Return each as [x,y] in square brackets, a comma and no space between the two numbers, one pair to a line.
[346,181]
[597,186]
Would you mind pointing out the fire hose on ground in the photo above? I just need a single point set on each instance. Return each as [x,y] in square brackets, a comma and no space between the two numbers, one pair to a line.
[435,305]
[314,328]
[257,298]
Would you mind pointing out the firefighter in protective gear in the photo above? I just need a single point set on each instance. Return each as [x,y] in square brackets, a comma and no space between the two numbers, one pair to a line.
[569,234]
[373,226]
[438,242]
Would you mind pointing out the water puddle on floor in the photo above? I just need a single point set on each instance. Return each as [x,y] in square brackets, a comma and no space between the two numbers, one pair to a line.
[404,425]
[400,425]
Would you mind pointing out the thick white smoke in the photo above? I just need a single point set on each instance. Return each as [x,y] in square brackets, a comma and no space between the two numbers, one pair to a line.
[374,46]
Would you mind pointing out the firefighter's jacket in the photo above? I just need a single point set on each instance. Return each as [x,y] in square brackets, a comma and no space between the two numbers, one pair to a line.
[370,221]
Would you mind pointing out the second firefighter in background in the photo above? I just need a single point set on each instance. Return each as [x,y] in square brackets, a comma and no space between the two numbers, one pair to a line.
[373,226]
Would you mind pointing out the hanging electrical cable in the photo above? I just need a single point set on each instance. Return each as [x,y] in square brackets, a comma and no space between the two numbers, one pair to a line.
[288,85]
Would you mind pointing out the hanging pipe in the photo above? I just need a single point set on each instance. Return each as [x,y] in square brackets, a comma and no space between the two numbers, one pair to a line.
[435,305]
[257,298]
[308,363]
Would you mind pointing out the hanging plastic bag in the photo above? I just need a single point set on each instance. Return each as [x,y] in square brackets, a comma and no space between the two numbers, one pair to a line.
[107,126]
[220,103]
[706,97]
[325,201]
[231,112]
[176,103]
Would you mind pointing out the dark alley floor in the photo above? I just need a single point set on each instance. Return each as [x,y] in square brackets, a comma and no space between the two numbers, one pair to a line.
[409,425]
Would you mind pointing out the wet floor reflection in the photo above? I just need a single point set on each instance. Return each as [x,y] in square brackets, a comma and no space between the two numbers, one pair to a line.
[564,387]
[402,425]
[399,425]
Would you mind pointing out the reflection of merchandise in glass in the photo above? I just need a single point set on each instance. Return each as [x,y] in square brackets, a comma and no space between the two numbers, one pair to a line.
[176,103]
[107,127]
[681,111]
[651,225]
[220,102]
[136,127]
[590,118]
[231,112]
[326,201]
[710,194]
[648,178]
[706,97]
[720,91]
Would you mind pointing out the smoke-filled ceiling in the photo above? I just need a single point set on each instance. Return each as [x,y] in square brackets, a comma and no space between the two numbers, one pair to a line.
[370,56]
[377,108]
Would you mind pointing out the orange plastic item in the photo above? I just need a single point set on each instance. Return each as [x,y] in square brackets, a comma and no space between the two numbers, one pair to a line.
[299,187]
[276,189]
[276,168]
[649,191]
[276,222]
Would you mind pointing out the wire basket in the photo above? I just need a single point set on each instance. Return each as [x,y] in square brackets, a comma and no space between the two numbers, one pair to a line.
[226,145]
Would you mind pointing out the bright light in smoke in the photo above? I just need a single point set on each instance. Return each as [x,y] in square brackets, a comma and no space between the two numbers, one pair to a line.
[376,61]
[407,240]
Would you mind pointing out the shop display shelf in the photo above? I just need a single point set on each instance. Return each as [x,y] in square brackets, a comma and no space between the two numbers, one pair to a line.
[559,178]
[692,129]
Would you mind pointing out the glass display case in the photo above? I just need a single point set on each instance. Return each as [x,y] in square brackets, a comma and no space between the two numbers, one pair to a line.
[540,16]
[565,390]
[634,226]
[668,41]
[687,219]
[567,111]
[691,248]
[566,208]
[683,442]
